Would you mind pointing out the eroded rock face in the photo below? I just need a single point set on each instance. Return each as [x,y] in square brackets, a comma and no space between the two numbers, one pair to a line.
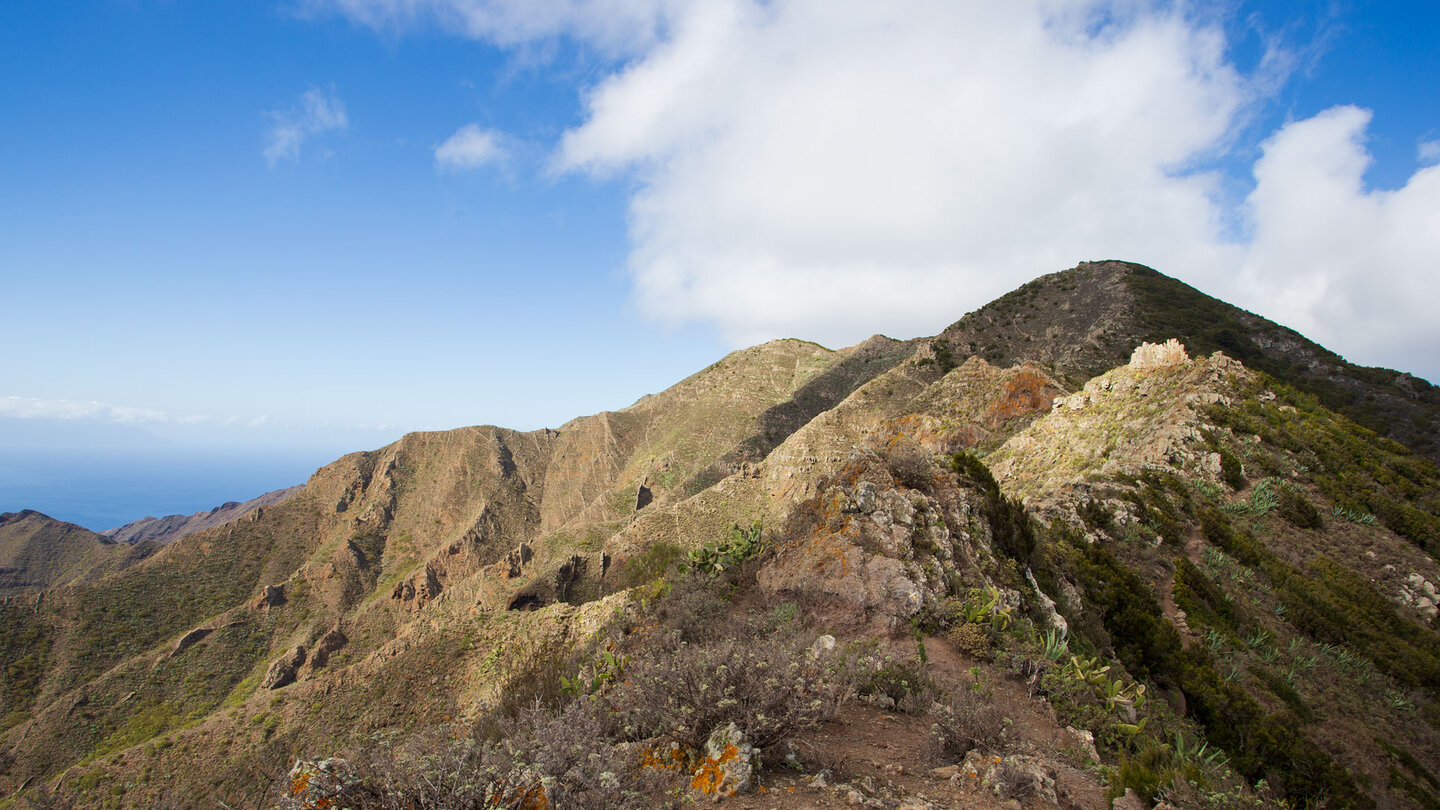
[282,672]
[328,645]
[877,548]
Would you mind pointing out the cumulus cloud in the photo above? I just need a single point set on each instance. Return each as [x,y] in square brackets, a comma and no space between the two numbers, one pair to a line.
[1347,266]
[469,148]
[839,168]
[832,168]
[317,113]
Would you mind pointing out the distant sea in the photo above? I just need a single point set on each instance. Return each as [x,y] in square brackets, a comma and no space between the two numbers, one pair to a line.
[105,489]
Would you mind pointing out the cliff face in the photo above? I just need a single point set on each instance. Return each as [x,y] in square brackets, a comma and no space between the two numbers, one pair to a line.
[1003,493]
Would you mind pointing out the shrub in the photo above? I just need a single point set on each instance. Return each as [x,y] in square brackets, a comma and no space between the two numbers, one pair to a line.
[904,682]
[653,563]
[556,760]
[769,688]
[972,640]
[967,720]
[911,466]
[1232,472]
[1010,524]
[1297,510]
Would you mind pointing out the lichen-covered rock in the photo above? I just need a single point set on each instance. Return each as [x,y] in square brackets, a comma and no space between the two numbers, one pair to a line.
[314,784]
[1011,777]
[887,537]
[1421,593]
[729,765]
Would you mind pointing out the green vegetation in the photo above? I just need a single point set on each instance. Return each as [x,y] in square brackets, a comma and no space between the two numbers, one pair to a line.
[1333,605]
[740,546]
[1360,472]
[1169,308]
[655,562]
[1010,525]
[24,657]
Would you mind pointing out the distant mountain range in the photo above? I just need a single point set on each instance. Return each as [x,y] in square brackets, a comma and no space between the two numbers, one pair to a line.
[165,529]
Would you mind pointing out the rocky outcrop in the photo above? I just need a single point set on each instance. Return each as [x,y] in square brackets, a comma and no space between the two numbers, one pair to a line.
[190,639]
[328,645]
[284,669]
[1161,355]
[876,549]
[1421,594]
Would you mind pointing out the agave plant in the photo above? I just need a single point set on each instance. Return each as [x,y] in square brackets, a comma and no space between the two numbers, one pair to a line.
[1054,645]
[1257,638]
[1197,753]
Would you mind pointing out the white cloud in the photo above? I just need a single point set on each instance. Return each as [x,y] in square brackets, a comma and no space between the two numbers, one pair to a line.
[831,168]
[1428,151]
[469,148]
[72,410]
[1346,266]
[317,113]
[616,27]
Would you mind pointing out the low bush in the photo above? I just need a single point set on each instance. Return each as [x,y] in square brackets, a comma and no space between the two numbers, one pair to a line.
[562,759]
[967,719]
[769,688]
[1297,510]
[972,640]
[904,682]
[655,562]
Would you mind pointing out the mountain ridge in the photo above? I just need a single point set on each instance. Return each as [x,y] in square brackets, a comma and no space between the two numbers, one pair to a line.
[902,496]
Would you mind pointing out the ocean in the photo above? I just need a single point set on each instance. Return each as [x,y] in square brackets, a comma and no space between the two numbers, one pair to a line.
[108,488]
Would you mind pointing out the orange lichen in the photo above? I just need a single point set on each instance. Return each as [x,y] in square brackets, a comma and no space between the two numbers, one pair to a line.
[300,785]
[530,796]
[710,776]
[673,759]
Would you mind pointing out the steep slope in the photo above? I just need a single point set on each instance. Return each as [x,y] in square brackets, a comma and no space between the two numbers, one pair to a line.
[363,559]
[165,529]
[1261,588]
[1085,320]
[38,552]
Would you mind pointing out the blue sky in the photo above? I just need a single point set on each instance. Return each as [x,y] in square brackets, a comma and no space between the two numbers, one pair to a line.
[240,224]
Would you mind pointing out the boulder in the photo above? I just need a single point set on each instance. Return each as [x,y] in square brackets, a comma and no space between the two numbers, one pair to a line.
[326,646]
[729,765]
[282,672]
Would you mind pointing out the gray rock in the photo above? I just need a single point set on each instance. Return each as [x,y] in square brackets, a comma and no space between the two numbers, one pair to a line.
[729,765]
